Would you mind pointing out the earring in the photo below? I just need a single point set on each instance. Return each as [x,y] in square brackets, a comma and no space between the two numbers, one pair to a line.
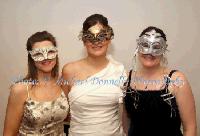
[134,65]
[164,60]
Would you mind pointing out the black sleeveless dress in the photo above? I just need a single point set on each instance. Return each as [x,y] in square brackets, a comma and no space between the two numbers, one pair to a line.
[152,113]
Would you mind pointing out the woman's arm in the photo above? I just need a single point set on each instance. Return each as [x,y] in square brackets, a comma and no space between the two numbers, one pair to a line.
[67,77]
[186,105]
[14,112]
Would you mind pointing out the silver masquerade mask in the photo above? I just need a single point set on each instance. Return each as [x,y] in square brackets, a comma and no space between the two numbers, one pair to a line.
[40,54]
[151,43]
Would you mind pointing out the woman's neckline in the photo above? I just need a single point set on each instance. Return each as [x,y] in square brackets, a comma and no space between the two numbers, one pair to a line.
[93,75]
[48,101]
[148,90]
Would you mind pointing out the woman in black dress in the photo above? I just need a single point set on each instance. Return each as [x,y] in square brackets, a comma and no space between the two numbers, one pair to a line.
[157,99]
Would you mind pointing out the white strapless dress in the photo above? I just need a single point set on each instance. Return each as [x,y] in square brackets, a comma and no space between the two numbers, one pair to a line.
[94,103]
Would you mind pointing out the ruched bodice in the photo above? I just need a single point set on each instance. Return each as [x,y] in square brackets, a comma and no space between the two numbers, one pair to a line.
[94,103]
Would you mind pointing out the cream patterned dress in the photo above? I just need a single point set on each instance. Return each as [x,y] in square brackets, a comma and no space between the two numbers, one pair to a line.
[44,118]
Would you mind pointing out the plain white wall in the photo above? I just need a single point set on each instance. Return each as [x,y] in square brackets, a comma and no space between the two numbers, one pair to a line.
[180,20]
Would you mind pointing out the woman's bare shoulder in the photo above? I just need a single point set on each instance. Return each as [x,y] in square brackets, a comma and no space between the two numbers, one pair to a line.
[18,91]
[72,67]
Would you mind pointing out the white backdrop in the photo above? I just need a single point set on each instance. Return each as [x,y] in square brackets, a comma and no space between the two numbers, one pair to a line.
[180,20]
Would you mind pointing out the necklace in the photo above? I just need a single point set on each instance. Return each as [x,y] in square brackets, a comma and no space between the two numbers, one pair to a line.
[158,83]
[146,87]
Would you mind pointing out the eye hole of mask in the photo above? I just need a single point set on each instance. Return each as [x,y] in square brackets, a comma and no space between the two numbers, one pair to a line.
[52,52]
[88,36]
[157,46]
[37,55]
[102,36]
[145,45]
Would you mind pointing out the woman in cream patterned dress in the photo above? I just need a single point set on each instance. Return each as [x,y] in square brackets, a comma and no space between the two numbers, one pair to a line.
[37,105]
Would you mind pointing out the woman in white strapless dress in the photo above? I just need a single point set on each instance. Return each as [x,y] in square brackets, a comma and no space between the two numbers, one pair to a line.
[94,84]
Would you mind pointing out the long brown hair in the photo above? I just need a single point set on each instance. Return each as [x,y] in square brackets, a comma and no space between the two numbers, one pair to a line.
[39,37]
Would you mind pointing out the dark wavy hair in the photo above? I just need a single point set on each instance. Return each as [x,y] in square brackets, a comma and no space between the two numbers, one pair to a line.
[93,20]
[158,30]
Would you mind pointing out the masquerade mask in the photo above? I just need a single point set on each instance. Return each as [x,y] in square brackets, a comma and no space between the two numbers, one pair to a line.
[151,43]
[97,34]
[40,54]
